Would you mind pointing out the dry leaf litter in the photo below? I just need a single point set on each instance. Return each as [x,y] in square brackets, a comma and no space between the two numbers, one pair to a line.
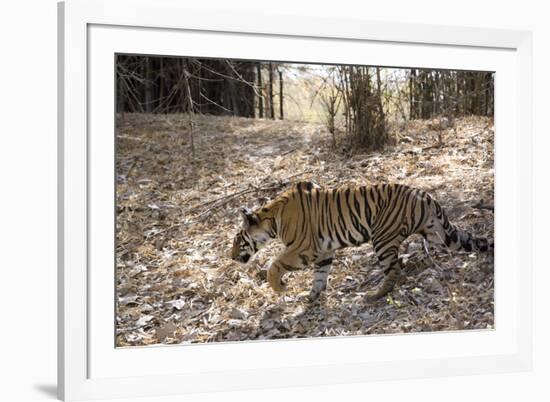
[177,215]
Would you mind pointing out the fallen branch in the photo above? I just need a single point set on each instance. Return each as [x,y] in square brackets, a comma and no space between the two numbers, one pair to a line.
[222,201]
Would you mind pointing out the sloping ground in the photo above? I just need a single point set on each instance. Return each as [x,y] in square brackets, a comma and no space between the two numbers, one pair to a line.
[176,218]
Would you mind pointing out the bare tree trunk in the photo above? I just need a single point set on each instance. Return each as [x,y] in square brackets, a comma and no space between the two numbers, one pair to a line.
[148,84]
[489,93]
[346,98]
[162,80]
[198,91]
[437,105]
[122,87]
[281,97]
[233,99]
[271,106]
[260,91]
[411,94]
[420,94]
[189,111]
[381,113]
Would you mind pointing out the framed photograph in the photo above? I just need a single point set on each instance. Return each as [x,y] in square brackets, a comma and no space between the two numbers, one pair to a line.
[252,202]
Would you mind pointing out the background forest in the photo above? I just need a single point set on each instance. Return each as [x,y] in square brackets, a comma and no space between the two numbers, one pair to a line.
[199,138]
[357,102]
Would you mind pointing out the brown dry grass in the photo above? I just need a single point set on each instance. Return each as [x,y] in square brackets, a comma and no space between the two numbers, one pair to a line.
[176,219]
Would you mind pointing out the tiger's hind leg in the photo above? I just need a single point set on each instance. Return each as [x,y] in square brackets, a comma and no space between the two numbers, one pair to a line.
[322,269]
[387,253]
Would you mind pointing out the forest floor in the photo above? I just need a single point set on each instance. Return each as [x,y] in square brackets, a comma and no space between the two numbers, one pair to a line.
[177,216]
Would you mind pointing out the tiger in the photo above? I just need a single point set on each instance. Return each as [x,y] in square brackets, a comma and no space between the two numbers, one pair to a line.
[313,222]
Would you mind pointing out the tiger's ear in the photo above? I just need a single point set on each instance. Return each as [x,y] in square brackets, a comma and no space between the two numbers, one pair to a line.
[249,217]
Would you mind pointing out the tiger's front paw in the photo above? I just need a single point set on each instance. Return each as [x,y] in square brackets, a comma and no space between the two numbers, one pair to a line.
[274,278]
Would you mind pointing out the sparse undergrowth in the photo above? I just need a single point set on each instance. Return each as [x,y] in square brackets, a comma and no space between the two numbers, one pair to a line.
[176,217]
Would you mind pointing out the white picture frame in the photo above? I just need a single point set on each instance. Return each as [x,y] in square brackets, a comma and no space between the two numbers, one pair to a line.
[91,32]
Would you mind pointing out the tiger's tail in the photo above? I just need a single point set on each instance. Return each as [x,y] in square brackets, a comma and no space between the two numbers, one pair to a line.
[441,231]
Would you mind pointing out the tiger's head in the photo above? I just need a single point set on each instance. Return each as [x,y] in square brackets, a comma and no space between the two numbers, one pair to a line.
[254,234]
